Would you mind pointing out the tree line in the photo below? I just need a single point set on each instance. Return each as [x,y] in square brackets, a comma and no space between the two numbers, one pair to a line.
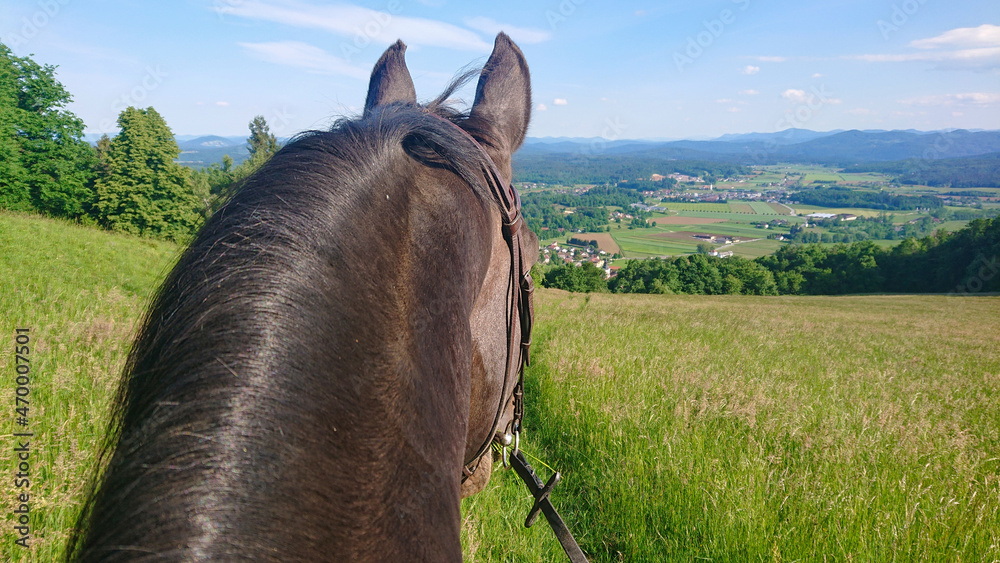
[129,183]
[966,261]
[844,197]
[966,172]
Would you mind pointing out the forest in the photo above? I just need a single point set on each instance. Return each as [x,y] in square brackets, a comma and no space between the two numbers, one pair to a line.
[845,197]
[967,172]
[129,183]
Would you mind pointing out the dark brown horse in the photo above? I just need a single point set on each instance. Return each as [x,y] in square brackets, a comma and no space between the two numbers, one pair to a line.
[332,349]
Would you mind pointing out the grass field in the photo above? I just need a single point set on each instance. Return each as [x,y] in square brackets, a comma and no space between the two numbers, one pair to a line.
[760,429]
[687,428]
[80,291]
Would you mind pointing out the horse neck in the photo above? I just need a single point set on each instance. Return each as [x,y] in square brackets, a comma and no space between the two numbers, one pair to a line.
[302,380]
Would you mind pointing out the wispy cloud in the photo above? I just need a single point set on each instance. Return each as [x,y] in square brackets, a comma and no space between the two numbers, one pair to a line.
[518,34]
[797,96]
[974,48]
[560,101]
[772,59]
[348,20]
[542,107]
[748,92]
[750,70]
[982,99]
[303,55]
[985,35]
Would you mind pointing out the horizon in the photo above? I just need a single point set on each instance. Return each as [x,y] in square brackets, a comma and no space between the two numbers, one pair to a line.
[637,71]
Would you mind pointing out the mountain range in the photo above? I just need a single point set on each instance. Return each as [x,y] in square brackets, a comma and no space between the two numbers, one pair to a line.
[835,148]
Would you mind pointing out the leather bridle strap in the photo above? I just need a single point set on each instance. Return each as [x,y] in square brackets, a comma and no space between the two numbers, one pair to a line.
[520,288]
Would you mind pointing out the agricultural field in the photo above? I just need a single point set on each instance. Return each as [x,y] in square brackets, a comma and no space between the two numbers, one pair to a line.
[686,427]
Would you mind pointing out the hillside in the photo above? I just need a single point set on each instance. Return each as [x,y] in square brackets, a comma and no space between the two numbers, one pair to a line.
[686,427]
[80,291]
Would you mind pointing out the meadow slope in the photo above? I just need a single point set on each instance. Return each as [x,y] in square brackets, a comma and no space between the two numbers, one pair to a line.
[715,428]
[687,428]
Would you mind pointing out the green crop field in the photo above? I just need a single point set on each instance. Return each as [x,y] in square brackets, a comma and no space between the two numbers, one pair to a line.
[681,206]
[742,208]
[690,428]
[762,208]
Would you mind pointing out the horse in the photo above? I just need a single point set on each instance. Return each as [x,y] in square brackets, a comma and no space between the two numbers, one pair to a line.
[321,375]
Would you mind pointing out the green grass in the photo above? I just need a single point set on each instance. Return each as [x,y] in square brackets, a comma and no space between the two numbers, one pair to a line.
[81,292]
[681,206]
[759,429]
[763,208]
[687,428]
[638,244]
[756,249]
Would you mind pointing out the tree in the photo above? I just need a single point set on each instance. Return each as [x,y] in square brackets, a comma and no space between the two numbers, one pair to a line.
[261,142]
[584,278]
[144,191]
[45,165]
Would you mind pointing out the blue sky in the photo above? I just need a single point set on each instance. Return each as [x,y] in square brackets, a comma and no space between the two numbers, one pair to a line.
[620,70]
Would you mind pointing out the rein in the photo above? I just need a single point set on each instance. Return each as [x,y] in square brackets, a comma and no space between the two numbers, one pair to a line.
[520,289]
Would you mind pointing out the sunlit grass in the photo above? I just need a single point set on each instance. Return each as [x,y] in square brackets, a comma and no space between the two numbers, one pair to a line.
[762,429]
[686,427]
[80,291]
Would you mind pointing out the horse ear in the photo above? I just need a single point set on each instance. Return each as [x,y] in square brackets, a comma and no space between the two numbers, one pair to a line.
[503,96]
[390,81]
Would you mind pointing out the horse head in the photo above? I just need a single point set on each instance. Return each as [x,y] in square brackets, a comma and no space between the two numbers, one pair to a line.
[323,372]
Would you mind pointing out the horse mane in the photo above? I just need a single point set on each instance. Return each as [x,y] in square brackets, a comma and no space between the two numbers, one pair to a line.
[270,246]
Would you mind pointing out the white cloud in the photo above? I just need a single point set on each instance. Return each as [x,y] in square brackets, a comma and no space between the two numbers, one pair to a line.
[796,96]
[817,75]
[542,107]
[518,34]
[303,55]
[966,99]
[772,59]
[358,24]
[222,104]
[560,101]
[971,48]
[815,97]
[748,92]
[750,69]
[985,35]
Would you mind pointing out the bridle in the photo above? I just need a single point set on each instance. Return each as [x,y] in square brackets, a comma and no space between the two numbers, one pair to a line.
[520,288]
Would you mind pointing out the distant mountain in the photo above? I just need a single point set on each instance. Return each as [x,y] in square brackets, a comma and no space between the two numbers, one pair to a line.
[786,137]
[210,142]
[791,145]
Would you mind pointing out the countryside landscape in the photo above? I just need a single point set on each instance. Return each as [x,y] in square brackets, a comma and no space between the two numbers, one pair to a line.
[748,346]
